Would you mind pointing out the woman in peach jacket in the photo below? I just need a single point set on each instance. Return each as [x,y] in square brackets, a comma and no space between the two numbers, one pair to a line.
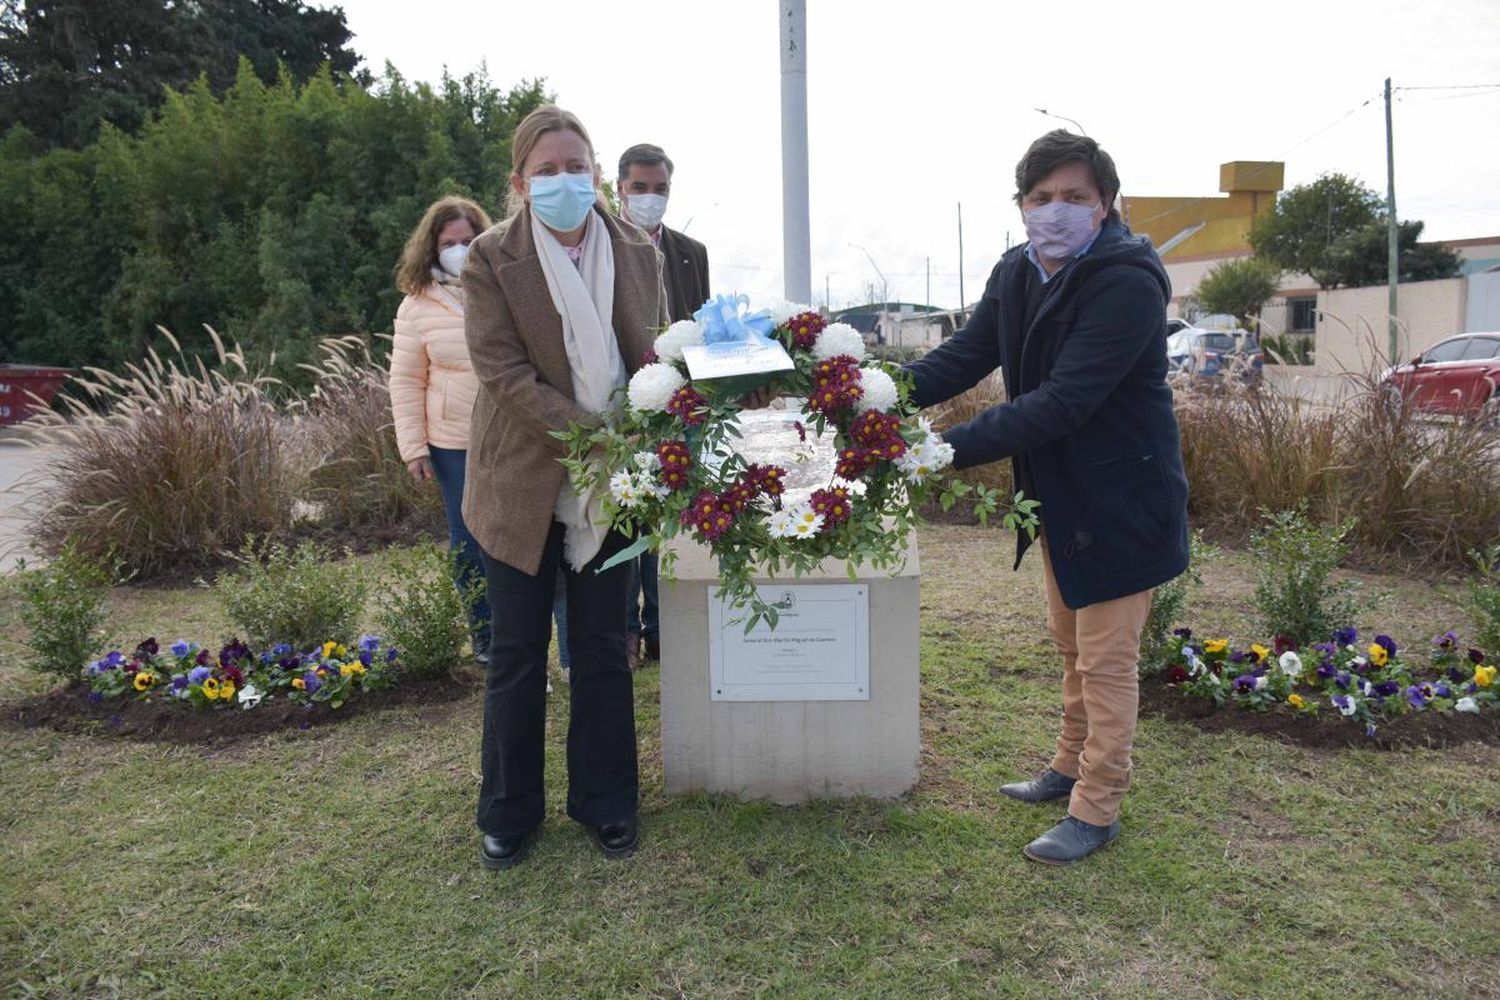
[432,381]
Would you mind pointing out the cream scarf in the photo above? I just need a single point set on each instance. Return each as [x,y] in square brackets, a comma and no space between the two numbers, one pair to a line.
[585,300]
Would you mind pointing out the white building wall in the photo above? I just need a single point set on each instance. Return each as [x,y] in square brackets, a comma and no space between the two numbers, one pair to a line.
[1352,334]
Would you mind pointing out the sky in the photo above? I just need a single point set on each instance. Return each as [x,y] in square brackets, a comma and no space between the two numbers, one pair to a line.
[914,108]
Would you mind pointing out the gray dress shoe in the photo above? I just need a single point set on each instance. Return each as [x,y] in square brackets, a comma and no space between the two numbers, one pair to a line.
[1071,841]
[1046,787]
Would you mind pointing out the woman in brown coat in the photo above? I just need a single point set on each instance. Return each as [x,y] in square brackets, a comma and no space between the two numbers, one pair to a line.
[563,300]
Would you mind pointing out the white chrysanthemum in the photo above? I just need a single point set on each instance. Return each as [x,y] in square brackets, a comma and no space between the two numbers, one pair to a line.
[839,338]
[782,310]
[651,387]
[879,390]
[622,489]
[669,345]
[647,461]
[1291,664]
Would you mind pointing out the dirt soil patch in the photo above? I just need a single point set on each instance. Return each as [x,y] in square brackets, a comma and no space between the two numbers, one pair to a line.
[70,710]
[1326,731]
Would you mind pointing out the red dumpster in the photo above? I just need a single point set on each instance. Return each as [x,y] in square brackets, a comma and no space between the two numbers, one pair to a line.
[18,383]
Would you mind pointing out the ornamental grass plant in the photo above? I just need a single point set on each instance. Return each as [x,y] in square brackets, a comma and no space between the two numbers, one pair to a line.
[354,474]
[166,466]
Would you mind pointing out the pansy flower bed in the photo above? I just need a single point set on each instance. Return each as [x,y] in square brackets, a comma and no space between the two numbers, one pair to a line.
[238,677]
[1368,682]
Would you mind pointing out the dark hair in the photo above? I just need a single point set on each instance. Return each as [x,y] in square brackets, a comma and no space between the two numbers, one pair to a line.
[414,269]
[647,155]
[1060,146]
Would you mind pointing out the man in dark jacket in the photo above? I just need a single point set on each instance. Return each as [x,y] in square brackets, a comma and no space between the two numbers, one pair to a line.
[1076,317]
[644,185]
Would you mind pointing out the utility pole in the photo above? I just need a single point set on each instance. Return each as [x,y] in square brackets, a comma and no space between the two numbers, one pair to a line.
[796,233]
[929,284]
[961,300]
[1393,250]
[827,299]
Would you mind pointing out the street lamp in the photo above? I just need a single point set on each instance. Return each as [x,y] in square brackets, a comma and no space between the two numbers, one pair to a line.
[1065,118]
[885,296]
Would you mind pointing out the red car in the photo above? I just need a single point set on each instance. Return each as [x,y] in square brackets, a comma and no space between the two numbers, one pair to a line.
[1459,376]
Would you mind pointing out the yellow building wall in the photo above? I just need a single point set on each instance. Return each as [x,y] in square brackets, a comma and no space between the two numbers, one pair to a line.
[1250,187]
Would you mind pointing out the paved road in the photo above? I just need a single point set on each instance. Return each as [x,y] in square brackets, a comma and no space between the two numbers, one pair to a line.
[23,471]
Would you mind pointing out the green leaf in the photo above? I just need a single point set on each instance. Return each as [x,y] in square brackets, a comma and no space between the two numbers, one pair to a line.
[626,554]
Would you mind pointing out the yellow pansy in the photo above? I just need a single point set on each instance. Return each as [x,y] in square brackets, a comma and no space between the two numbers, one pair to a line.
[1260,652]
[299,683]
[1296,701]
[210,687]
[1216,645]
[328,648]
[340,651]
[345,670]
[226,691]
[144,680]
[1378,654]
[1484,676]
[356,667]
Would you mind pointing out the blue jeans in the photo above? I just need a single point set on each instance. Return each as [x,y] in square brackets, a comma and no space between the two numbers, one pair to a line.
[448,467]
[643,618]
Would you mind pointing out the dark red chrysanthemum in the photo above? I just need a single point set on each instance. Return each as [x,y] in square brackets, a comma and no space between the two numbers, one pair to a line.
[689,405]
[805,328]
[834,503]
[675,461]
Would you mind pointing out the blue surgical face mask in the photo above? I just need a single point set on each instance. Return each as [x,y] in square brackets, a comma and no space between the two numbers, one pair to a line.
[562,201]
[1059,229]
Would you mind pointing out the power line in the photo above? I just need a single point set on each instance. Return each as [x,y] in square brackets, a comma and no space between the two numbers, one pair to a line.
[1455,86]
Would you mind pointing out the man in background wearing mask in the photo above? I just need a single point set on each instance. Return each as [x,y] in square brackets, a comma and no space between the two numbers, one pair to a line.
[644,185]
[1076,319]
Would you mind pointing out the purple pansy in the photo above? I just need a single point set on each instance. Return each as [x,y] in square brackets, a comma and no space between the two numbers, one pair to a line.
[1414,697]
[1442,690]
[1346,636]
[1476,656]
[369,643]
[1447,641]
[148,649]
[312,681]
[199,674]
[1244,683]
[1342,680]
[1387,688]
[1183,633]
[390,655]
[181,648]
[1326,669]
[1388,643]
[202,658]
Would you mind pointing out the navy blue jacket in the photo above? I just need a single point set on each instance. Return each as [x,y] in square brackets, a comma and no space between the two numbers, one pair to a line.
[1089,408]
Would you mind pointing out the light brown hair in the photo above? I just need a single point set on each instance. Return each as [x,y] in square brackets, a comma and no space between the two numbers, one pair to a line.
[547,118]
[414,269]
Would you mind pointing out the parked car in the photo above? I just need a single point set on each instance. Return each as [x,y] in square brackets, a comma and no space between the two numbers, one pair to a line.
[1458,376]
[1211,353]
[1177,324]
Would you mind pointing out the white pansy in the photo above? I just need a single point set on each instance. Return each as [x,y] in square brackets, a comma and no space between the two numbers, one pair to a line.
[1466,705]
[1260,683]
[1291,663]
[669,345]
[1359,661]
[1365,687]
[622,489]
[879,390]
[249,696]
[1347,707]
[782,310]
[647,461]
[1195,665]
[652,387]
[837,339]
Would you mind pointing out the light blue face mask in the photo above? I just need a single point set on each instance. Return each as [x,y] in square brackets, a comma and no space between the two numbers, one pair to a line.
[562,201]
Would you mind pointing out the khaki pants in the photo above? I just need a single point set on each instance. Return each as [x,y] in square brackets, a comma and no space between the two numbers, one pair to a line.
[1100,646]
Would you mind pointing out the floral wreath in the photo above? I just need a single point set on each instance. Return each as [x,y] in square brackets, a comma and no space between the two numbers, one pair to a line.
[667,463]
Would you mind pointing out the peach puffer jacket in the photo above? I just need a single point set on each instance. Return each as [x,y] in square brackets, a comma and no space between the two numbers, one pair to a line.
[432,382]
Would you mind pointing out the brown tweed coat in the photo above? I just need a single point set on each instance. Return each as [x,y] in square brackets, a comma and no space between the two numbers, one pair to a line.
[515,340]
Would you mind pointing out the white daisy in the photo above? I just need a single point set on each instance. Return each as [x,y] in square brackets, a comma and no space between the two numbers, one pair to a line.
[622,489]
[780,524]
[647,461]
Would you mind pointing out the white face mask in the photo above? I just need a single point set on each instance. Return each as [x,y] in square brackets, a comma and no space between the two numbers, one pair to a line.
[646,210]
[451,259]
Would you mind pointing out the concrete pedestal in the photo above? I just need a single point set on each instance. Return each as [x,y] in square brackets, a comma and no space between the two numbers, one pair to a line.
[790,751]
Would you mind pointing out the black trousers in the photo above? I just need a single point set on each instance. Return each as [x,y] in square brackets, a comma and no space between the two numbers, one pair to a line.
[603,778]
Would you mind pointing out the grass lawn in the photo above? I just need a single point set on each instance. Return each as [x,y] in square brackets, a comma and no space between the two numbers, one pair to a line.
[342,861]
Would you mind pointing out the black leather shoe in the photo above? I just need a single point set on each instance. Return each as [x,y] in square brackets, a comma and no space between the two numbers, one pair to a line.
[1045,787]
[619,840]
[500,853]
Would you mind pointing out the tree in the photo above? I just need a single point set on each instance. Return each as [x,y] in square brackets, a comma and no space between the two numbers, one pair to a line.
[1334,229]
[1238,287]
[68,66]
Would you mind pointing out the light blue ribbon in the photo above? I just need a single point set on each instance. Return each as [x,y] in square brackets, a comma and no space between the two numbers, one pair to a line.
[726,323]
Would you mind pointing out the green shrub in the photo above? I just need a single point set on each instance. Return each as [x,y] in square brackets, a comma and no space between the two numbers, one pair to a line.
[423,615]
[64,610]
[1484,598]
[300,596]
[1167,602]
[1293,561]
